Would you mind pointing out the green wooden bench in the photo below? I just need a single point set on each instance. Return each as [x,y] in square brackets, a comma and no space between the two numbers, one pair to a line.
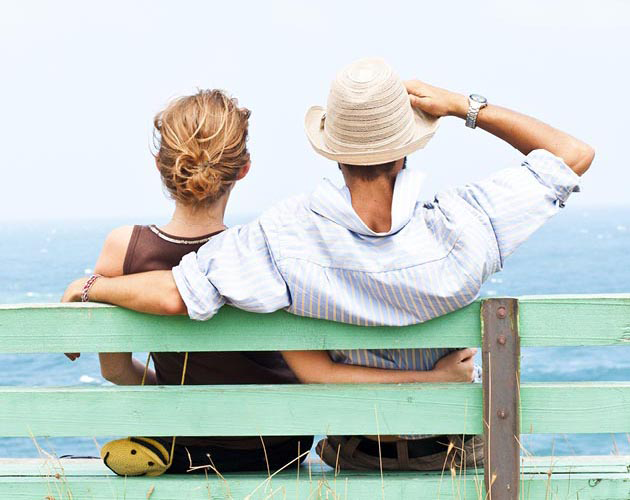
[501,409]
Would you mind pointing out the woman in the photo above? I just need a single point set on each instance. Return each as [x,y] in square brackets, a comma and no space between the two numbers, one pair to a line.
[201,154]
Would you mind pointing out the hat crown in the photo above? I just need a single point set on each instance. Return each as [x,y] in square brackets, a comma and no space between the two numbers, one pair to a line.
[366,71]
[368,109]
[369,119]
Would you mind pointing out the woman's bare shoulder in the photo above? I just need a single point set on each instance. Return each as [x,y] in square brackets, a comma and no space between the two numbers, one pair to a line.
[112,258]
[119,236]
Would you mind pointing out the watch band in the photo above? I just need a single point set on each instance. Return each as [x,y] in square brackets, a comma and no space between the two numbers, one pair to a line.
[474,106]
[471,116]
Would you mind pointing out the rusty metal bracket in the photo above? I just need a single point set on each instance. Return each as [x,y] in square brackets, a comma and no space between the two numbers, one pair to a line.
[501,351]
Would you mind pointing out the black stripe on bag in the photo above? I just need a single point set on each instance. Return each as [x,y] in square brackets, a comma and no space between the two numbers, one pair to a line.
[151,447]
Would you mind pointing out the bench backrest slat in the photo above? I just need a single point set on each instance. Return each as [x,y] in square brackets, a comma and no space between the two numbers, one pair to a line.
[544,321]
[571,407]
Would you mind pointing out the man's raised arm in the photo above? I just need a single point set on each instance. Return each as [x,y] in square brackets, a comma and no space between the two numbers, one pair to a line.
[514,202]
[520,131]
[153,292]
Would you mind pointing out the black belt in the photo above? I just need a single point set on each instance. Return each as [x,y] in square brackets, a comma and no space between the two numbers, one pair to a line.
[416,447]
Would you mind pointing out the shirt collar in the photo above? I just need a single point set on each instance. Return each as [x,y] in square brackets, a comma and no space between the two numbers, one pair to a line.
[330,201]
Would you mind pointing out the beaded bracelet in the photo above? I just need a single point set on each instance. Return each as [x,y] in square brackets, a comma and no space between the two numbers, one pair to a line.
[87,286]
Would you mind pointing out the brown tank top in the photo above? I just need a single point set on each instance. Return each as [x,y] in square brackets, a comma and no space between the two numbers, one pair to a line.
[150,249]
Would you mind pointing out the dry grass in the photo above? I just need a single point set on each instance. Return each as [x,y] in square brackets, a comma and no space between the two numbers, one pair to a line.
[320,487]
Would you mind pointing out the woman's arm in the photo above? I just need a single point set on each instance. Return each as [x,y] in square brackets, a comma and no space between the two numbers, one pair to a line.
[121,368]
[118,367]
[316,367]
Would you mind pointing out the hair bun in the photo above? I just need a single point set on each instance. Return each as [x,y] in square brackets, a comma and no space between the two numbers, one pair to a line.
[204,183]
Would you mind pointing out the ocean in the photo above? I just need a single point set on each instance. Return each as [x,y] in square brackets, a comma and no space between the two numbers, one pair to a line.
[579,251]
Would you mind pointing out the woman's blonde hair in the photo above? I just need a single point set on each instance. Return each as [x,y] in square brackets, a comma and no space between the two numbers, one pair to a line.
[201,146]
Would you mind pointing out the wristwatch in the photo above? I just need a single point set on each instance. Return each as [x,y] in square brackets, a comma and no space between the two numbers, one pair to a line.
[476,102]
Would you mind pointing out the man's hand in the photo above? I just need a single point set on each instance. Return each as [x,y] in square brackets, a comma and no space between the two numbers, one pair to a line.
[457,366]
[434,100]
[73,294]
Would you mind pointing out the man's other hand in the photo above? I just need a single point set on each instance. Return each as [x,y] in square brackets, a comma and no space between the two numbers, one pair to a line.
[457,366]
[434,100]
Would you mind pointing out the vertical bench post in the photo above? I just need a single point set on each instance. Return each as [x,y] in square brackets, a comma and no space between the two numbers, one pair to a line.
[501,381]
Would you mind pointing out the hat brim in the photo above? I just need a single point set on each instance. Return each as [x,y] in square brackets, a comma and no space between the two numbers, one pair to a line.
[425,127]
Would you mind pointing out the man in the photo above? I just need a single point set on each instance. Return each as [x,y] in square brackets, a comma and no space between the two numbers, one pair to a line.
[373,253]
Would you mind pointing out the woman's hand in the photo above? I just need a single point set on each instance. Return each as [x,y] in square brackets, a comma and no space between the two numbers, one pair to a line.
[457,366]
[74,290]
[434,100]
[73,294]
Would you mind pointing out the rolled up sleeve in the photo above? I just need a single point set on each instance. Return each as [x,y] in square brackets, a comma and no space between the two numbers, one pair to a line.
[236,268]
[201,298]
[553,173]
[517,201]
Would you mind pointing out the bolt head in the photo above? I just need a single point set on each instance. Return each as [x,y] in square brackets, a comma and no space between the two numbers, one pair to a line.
[502,414]
[501,312]
[502,340]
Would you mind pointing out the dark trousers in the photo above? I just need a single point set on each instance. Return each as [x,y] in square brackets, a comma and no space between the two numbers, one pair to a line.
[232,460]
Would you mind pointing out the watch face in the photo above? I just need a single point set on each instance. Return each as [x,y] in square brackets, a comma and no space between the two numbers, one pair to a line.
[478,98]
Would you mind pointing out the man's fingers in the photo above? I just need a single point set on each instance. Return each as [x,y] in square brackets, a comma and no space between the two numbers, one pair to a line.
[454,356]
[414,90]
[417,102]
[464,353]
[413,86]
[410,85]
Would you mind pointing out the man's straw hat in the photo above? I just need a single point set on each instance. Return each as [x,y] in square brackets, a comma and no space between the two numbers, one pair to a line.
[369,119]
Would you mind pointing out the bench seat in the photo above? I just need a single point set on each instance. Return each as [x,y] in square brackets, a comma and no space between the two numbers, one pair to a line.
[583,477]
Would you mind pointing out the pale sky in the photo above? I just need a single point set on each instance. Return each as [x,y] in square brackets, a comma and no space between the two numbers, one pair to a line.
[81,82]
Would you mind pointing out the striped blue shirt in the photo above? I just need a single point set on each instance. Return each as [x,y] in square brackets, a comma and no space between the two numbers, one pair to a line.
[313,256]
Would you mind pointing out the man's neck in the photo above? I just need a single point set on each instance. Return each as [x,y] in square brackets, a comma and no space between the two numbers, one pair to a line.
[372,201]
